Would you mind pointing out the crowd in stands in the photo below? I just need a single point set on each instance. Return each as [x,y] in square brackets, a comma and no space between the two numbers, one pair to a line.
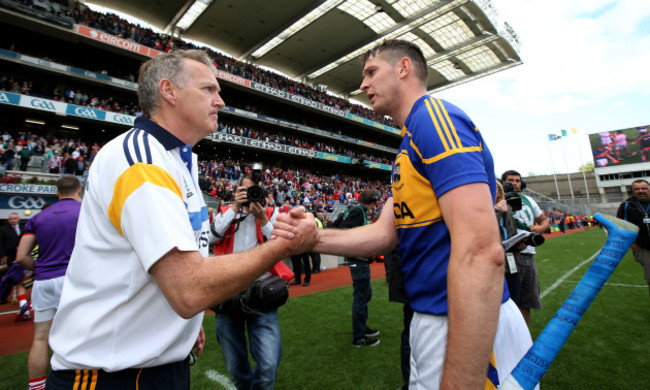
[114,25]
[60,155]
[293,187]
[78,97]
[217,178]
[82,98]
[284,139]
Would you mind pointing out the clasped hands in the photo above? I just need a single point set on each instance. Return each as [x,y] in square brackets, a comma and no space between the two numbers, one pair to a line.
[298,228]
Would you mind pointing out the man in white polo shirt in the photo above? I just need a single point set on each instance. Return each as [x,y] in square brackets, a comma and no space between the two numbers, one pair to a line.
[139,279]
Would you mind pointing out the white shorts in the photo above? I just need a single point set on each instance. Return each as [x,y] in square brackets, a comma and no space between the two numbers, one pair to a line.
[46,295]
[429,341]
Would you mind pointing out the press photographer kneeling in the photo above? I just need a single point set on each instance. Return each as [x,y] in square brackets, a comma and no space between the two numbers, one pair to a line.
[242,226]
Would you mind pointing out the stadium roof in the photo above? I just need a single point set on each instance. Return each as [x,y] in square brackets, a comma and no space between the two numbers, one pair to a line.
[320,41]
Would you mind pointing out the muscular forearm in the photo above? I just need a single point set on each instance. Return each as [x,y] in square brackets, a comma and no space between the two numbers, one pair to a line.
[543,226]
[369,240]
[362,241]
[475,289]
[24,252]
[192,283]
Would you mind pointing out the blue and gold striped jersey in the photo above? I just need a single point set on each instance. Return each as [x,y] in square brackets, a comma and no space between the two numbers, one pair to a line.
[441,149]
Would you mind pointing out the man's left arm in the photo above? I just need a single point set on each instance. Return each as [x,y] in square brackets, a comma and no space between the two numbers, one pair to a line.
[542,222]
[24,253]
[474,284]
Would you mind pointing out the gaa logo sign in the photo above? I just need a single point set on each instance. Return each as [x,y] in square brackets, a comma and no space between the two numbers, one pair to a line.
[43,104]
[123,119]
[85,112]
[26,202]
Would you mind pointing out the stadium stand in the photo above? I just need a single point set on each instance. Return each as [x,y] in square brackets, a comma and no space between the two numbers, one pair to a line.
[56,90]
[73,98]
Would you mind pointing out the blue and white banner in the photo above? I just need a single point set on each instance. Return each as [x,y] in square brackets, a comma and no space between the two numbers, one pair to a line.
[65,108]
[31,189]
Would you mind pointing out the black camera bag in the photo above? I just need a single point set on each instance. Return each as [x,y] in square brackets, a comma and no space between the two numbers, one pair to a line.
[272,292]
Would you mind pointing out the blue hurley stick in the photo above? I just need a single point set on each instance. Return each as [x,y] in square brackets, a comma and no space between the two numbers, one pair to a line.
[531,368]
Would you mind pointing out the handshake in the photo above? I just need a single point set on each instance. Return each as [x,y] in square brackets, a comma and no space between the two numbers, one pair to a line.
[298,229]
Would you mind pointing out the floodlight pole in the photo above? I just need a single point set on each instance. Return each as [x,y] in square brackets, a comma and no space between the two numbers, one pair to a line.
[557,189]
[583,169]
[566,166]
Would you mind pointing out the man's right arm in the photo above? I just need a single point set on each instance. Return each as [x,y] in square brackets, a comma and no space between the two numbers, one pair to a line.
[24,252]
[192,283]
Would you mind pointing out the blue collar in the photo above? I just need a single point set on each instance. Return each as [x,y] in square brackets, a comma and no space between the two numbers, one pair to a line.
[167,139]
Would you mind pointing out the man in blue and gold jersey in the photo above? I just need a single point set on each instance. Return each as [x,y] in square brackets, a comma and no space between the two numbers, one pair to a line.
[466,333]
[140,279]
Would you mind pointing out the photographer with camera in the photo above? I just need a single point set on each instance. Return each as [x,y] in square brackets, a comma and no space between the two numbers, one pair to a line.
[242,226]
[529,218]
[507,229]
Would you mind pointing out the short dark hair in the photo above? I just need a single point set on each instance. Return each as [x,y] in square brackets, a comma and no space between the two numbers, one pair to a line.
[68,185]
[510,172]
[393,50]
[637,181]
[369,197]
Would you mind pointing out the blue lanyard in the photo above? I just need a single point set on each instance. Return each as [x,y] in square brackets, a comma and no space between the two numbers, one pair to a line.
[505,233]
[642,209]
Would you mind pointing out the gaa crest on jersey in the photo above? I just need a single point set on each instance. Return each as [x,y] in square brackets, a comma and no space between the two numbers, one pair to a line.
[188,191]
[395,179]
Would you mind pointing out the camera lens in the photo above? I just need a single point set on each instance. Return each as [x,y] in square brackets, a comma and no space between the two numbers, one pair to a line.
[256,194]
[536,239]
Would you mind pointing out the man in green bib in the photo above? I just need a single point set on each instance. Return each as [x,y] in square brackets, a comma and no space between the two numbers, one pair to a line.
[529,218]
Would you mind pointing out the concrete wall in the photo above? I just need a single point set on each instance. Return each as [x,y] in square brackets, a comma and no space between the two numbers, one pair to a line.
[546,185]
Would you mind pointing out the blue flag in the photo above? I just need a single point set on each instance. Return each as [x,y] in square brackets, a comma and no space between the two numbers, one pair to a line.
[554,137]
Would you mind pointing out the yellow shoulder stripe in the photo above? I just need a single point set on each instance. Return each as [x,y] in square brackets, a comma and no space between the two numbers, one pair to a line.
[130,180]
[436,123]
[453,151]
[442,112]
[443,154]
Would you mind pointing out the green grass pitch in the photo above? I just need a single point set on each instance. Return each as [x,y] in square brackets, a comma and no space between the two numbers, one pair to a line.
[609,349]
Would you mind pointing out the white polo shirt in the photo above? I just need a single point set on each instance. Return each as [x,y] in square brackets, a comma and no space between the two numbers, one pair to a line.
[141,201]
[527,215]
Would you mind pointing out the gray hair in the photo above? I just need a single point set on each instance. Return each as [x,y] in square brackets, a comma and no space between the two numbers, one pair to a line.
[165,66]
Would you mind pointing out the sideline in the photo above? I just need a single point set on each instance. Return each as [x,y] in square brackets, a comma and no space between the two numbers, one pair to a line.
[566,275]
[618,284]
[220,379]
